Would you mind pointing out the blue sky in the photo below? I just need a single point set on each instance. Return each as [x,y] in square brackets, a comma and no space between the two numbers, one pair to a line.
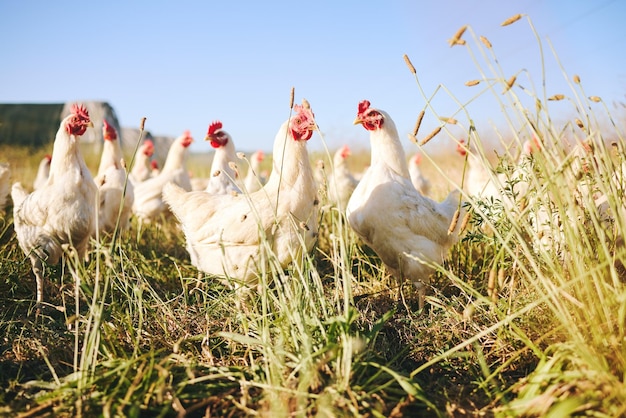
[184,64]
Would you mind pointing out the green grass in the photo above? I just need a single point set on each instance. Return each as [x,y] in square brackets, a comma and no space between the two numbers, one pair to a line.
[511,328]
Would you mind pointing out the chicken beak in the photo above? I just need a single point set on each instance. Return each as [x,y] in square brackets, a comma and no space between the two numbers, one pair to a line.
[357,121]
[90,124]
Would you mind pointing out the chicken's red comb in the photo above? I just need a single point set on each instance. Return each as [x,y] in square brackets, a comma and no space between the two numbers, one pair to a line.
[214,127]
[363,106]
[154,164]
[80,110]
[305,112]
[260,156]
[460,147]
[418,158]
[107,126]
[48,157]
[345,151]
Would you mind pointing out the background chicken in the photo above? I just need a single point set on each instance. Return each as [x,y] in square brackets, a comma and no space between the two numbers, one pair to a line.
[148,203]
[254,179]
[114,190]
[141,168]
[342,183]
[154,168]
[223,232]
[224,176]
[478,182]
[5,183]
[62,212]
[42,172]
[420,182]
[407,230]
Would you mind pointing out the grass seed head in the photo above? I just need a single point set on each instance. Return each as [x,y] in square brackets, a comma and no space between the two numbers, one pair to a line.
[580,123]
[486,42]
[509,84]
[409,64]
[595,99]
[451,121]
[418,122]
[142,124]
[455,220]
[511,20]
[556,97]
[501,277]
[430,136]
[465,220]
[456,39]
[576,79]
[291,96]
[472,83]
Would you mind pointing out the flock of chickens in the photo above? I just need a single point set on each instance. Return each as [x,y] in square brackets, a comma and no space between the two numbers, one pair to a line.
[226,219]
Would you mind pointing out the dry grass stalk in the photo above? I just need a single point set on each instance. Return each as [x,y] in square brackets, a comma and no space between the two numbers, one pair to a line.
[472,83]
[576,79]
[595,99]
[409,64]
[491,283]
[485,41]
[556,97]
[418,122]
[509,84]
[456,39]
[511,20]
[455,220]
[430,136]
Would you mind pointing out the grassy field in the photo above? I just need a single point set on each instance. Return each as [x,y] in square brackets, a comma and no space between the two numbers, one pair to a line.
[524,318]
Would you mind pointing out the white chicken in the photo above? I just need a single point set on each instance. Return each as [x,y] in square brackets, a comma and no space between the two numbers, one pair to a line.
[407,230]
[141,168]
[42,172]
[154,168]
[419,180]
[224,232]
[5,183]
[254,179]
[224,176]
[61,213]
[148,204]
[341,183]
[478,180]
[198,183]
[113,188]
